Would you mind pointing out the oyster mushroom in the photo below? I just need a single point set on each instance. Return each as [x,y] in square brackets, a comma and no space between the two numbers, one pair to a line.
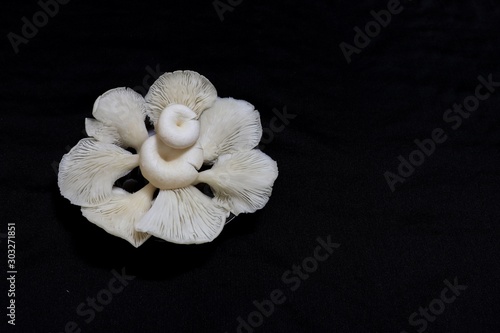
[120,115]
[242,182]
[180,87]
[87,173]
[192,126]
[184,216]
[120,214]
[228,126]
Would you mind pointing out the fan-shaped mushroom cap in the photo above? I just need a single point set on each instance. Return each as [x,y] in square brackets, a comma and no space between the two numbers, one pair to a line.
[169,168]
[180,87]
[102,132]
[119,215]
[183,216]
[121,112]
[87,173]
[178,127]
[243,181]
[230,125]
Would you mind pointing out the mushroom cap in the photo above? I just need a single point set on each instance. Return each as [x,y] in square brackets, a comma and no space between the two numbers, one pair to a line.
[243,181]
[102,132]
[183,216]
[180,87]
[119,215]
[178,126]
[229,126]
[87,173]
[168,168]
[121,110]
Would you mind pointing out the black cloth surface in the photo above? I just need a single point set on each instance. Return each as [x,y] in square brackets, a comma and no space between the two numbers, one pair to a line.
[422,256]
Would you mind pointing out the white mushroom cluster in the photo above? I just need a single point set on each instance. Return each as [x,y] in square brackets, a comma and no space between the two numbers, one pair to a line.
[192,127]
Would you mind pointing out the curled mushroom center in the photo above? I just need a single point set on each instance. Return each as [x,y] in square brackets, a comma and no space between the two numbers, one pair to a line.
[171,158]
[178,127]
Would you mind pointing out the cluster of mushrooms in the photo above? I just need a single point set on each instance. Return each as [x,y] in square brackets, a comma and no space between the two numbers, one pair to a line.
[192,128]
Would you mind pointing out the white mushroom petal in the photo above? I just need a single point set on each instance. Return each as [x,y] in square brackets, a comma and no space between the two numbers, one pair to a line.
[119,215]
[178,126]
[183,216]
[102,132]
[230,125]
[180,87]
[124,110]
[87,173]
[168,168]
[242,181]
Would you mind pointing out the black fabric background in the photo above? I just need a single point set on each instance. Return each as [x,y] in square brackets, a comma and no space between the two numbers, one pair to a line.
[352,122]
